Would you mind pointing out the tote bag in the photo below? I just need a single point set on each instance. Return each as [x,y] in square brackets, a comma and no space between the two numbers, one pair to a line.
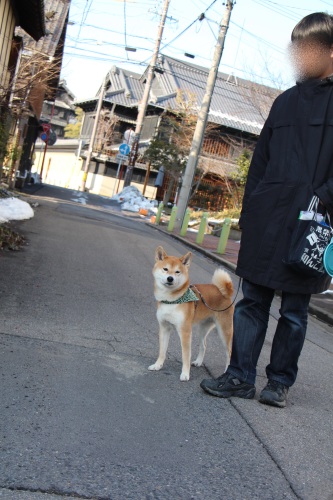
[309,241]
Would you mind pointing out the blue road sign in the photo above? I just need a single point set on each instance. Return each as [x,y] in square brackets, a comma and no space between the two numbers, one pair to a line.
[124,149]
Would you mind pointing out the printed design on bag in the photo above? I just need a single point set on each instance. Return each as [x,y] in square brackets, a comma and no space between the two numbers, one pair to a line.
[313,257]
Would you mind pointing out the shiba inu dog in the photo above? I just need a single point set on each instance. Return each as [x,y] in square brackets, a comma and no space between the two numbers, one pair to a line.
[180,305]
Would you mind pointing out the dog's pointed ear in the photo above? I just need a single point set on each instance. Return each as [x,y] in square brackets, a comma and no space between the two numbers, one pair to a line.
[160,254]
[186,259]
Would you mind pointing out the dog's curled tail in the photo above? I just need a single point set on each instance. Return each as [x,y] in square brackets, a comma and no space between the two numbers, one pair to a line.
[222,280]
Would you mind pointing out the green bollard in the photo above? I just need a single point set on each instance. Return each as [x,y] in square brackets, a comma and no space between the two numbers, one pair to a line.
[202,228]
[186,220]
[172,219]
[159,213]
[224,235]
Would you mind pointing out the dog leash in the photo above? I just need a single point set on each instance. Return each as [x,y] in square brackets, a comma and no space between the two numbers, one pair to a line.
[217,310]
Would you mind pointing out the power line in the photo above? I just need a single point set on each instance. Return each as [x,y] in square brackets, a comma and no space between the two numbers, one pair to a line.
[180,34]
[103,53]
[125,35]
[84,15]
[169,44]
[259,39]
[103,56]
[199,18]
[115,31]
[284,11]
[211,29]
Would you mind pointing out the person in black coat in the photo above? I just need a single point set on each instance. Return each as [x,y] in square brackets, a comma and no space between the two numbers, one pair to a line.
[292,162]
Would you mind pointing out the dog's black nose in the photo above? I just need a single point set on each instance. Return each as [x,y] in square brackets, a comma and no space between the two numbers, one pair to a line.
[169,279]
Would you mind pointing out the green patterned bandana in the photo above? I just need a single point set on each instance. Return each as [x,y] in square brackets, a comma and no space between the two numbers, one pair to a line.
[189,296]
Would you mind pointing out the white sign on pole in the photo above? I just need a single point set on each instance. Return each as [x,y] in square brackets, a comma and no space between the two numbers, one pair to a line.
[120,157]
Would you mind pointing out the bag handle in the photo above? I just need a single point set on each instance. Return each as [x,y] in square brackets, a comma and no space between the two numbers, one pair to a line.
[313,206]
[323,133]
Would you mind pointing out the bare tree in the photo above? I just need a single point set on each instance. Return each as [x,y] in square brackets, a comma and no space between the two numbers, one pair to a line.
[105,131]
[23,94]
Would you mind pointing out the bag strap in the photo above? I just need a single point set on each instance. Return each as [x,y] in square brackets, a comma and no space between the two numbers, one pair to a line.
[313,206]
[323,133]
[301,142]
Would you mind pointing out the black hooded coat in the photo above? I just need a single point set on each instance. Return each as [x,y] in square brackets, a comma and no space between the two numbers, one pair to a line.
[292,161]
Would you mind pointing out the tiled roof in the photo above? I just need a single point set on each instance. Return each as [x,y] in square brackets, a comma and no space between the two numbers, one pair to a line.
[236,103]
[124,87]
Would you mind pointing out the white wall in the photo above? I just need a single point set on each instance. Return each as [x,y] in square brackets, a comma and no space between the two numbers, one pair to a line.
[63,168]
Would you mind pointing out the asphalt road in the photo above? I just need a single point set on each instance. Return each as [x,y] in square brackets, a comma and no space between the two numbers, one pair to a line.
[82,417]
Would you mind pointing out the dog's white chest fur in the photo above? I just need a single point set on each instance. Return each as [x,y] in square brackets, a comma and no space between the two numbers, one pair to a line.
[171,313]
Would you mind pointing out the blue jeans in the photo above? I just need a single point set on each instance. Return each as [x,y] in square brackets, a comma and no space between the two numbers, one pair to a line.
[250,327]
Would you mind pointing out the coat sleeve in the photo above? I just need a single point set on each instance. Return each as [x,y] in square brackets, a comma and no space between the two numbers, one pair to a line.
[258,166]
[325,194]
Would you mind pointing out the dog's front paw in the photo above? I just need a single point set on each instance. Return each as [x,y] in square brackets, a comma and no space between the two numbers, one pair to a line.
[184,377]
[155,367]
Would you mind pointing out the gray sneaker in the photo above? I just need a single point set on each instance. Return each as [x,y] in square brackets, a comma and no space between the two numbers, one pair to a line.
[274,394]
[227,386]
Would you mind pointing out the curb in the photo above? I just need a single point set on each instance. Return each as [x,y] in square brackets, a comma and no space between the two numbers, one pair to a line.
[316,311]
[321,314]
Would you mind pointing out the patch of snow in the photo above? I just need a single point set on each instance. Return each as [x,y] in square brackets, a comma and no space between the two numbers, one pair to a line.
[14,209]
[80,198]
[132,200]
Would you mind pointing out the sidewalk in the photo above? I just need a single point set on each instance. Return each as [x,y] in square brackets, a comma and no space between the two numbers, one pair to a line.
[321,305]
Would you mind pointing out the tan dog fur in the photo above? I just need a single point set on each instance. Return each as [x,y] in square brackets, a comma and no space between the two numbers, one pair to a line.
[182,316]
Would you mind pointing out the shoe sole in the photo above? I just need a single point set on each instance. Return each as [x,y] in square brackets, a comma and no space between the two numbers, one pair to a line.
[269,402]
[240,394]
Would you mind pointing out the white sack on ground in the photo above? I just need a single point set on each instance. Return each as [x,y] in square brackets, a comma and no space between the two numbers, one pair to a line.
[14,209]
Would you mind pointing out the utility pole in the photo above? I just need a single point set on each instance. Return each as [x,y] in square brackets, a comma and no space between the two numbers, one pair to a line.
[92,138]
[199,132]
[144,102]
[47,133]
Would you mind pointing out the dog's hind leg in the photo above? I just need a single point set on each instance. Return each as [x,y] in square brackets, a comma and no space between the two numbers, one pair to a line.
[164,336]
[205,327]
